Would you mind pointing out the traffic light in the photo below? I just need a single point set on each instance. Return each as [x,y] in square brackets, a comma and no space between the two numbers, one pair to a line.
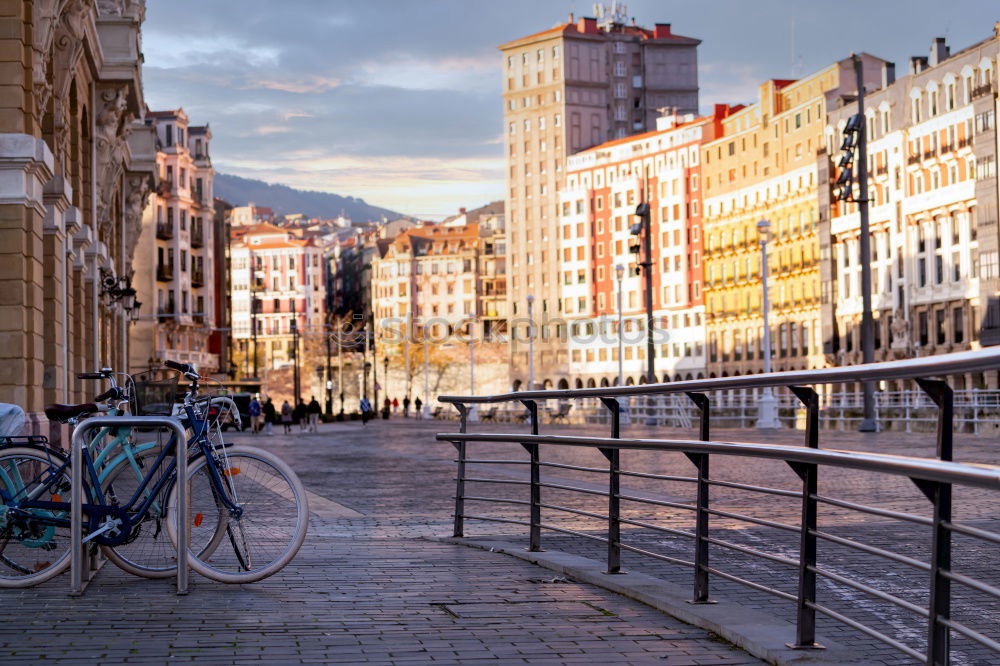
[844,190]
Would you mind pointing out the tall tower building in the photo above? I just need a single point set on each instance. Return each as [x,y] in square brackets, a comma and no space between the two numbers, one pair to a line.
[566,89]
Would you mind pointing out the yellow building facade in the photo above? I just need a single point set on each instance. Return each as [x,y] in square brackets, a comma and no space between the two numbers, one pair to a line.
[764,167]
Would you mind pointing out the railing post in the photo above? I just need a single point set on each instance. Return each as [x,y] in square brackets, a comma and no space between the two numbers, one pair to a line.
[700,460]
[614,490]
[805,625]
[939,604]
[535,534]
[459,529]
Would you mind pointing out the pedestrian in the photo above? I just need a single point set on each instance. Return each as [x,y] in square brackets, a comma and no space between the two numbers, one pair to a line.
[366,410]
[286,417]
[386,406]
[417,404]
[406,407]
[254,415]
[301,415]
[395,406]
[268,410]
[314,411]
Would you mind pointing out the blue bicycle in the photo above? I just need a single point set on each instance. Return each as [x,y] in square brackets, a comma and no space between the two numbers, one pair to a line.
[248,511]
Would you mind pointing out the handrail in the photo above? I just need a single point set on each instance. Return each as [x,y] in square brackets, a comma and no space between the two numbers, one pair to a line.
[914,368]
[982,476]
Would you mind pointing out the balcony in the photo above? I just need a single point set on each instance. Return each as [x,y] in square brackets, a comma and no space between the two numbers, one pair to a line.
[947,148]
[982,90]
[198,278]
[164,231]
[962,143]
[165,272]
[164,187]
[198,318]
[913,159]
[928,154]
[166,312]
[197,236]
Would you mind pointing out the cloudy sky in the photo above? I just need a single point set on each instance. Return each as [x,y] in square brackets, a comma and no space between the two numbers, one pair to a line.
[399,102]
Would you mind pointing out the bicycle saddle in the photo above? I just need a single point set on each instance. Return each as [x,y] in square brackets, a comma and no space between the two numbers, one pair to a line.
[63,413]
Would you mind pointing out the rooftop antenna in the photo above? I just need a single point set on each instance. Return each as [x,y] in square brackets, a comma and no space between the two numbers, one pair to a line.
[796,59]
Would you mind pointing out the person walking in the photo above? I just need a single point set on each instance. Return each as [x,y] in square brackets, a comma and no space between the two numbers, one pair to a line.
[366,411]
[395,406]
[301,415]
[386,406]
[286,417]
[406,407]
[314,411]
[269,415]
[417,404]
[254,415]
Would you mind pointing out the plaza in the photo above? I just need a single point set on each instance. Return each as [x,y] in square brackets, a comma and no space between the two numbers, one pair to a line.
[379,581]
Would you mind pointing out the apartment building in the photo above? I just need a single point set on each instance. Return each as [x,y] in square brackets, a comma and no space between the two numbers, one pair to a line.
[175,261]
[932,147]
[277,278]
[566,89]
[604,185]
[763,166]
[429,273]
[76,165]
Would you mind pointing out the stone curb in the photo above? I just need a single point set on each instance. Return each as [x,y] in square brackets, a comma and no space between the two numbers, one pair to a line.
[757,632]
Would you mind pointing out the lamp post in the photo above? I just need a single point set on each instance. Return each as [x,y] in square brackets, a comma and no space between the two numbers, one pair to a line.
[295,353]
[329,372]
[642,211]
[622,409]
[427,384]
[472,416]
[531,344]
[767,408]
[620,272]
[385,378]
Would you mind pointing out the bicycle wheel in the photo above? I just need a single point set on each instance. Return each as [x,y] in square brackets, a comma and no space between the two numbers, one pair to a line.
[31,549]
[271,523]
[150,552]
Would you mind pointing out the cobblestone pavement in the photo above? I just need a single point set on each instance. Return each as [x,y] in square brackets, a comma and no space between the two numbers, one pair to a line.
[366,588]
[971,557]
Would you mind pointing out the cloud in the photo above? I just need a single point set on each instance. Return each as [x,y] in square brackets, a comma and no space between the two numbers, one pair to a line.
[480,75]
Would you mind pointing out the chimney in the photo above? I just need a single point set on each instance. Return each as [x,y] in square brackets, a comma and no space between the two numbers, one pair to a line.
[917,64]
[661,31]
[461,211]
[571,19]
[587,25]
[939,52]
[888,74]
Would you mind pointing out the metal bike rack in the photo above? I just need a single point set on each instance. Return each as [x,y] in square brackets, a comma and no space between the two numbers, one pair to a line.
[77,560]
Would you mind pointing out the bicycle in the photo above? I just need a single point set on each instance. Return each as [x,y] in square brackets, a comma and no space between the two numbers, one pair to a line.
[256,506]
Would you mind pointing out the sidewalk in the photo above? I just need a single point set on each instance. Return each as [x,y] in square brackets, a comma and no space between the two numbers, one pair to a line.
[367,587]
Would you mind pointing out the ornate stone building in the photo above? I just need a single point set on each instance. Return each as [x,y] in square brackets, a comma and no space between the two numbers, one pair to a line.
[76,165]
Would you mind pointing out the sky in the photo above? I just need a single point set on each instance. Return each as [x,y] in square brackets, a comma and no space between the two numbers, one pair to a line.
[399,102]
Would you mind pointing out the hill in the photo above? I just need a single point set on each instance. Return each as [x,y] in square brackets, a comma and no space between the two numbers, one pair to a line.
[284,200]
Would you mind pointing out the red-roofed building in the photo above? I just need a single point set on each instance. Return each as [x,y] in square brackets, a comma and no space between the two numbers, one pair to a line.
[287,277]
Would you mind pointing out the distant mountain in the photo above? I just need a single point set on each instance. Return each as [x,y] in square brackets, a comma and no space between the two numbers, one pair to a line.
[284,200]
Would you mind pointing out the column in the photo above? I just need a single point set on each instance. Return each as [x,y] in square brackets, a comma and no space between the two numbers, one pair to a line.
[25,165]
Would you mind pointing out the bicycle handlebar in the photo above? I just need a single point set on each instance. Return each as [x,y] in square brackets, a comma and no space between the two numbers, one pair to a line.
[90,375]
[110,393]
[185,368]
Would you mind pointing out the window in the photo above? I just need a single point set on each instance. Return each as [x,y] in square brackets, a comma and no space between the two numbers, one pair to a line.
[939,322]
[922,329]
[958,325]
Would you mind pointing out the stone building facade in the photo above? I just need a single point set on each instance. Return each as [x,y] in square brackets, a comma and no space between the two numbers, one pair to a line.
[932,146]
[76,166]
[566,89]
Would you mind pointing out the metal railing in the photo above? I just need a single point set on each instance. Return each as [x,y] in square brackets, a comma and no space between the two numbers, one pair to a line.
[934,477]
[79,569]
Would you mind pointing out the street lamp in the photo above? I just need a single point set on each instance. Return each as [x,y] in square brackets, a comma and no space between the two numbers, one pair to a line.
[531,344]
[472,415]
[427,386]
[642,211]
[620,272]
[385,374]
[767,408]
